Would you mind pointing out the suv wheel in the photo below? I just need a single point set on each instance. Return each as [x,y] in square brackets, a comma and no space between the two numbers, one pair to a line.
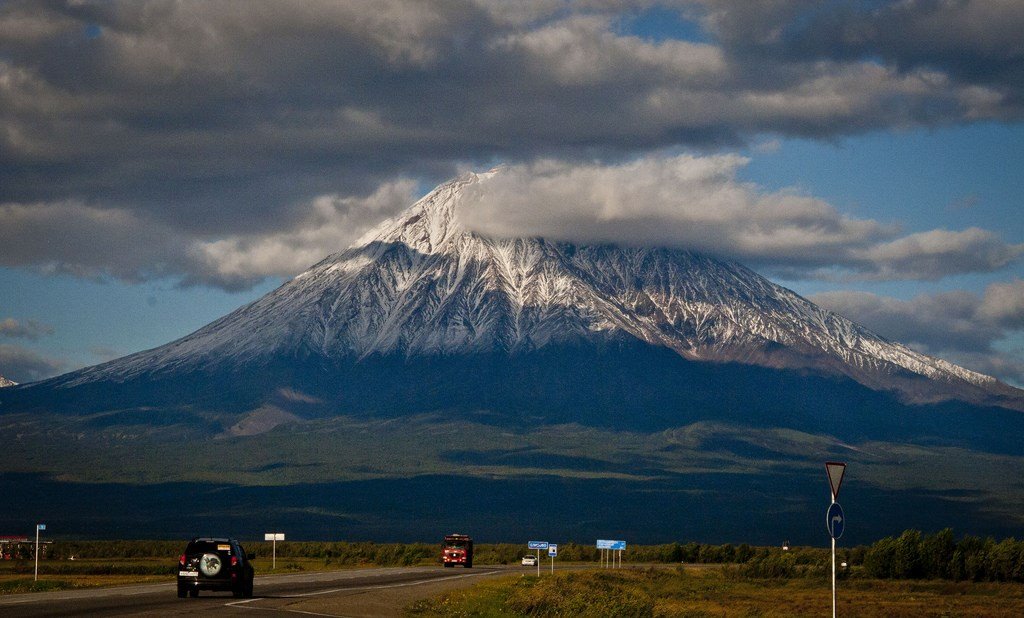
[194,592]
[182,592]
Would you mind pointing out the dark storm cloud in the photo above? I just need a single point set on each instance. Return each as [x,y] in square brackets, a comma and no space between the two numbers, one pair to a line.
[23,365]
[179,133]
[960,326]
[973,42]
[88,241]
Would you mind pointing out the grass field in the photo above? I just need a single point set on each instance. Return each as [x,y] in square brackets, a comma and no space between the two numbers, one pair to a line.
[718,592]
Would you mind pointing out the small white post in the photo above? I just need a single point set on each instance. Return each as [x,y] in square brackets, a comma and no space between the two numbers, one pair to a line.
[273,537]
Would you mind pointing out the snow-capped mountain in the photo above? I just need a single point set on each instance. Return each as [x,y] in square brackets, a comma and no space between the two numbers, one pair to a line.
[421,284]
[4,382]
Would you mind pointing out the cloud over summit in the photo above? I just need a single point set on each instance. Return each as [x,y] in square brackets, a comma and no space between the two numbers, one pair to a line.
[698,203]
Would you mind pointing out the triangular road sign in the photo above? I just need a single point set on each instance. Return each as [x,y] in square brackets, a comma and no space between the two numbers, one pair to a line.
[835,472]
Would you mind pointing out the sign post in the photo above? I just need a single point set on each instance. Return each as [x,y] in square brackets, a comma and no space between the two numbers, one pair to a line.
[275,537]
[613,550]
[38,528]
[539,545]
[552,552]
[835,520]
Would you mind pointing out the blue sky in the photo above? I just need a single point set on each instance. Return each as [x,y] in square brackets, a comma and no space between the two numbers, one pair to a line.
[163,164]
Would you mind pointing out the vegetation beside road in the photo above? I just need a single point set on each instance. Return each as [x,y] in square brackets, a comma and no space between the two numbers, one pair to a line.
[912,555]
[723,591]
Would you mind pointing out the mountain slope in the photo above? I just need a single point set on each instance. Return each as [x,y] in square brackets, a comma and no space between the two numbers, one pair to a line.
[4,382]
[427,379]
[421,285]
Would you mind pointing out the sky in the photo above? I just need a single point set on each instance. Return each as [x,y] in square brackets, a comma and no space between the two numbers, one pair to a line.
[163,163]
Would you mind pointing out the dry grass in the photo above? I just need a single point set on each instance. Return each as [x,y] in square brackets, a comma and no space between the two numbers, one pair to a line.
[718,593]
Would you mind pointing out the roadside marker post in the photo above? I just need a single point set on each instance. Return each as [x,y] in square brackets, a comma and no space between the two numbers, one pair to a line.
[538,545]
[552,553]
[275,537]
[835,519]
[38,528]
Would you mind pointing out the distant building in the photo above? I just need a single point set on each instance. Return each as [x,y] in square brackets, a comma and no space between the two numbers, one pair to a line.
[17,547]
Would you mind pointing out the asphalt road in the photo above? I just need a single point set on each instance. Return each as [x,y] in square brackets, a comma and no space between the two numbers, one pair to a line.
[332,593]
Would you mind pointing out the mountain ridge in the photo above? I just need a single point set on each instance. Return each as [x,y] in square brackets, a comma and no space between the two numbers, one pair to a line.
[421,284]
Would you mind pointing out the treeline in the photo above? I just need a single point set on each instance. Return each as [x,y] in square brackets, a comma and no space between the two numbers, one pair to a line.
[907,556]
[940,556]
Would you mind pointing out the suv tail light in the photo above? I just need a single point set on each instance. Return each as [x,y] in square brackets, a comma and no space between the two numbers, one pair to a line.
[181,560]
[234,560]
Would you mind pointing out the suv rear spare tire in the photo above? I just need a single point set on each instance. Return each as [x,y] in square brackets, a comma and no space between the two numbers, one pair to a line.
[210,565]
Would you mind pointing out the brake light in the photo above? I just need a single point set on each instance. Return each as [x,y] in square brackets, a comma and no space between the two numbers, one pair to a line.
[234,560]
[181,560]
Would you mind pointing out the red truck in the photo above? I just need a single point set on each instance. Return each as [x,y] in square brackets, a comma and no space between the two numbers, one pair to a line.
[457,549]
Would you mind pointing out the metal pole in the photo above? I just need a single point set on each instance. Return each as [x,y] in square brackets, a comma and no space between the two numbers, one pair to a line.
[37,554]
[832,534]
[833,577]
[274,563]
[552,565]
[538,562]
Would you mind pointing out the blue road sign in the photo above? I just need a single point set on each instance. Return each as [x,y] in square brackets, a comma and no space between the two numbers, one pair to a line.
[538,544]
[835,520]
[552,550]
[604,544]
[620,545]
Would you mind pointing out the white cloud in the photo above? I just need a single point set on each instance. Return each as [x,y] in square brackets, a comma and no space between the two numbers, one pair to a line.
[960,326]
[332,223]
[938,253]
[698,203]
[26,329]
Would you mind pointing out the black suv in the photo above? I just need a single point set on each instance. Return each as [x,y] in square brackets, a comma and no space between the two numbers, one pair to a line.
[215,564]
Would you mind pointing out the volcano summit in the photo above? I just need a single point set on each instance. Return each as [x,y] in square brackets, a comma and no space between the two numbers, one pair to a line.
[428,357]
[421,285]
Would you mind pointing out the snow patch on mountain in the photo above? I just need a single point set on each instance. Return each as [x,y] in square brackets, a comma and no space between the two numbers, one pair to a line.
[4,382]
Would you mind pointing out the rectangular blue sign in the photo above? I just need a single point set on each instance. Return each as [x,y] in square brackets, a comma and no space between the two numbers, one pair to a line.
[537,544]
[606,544]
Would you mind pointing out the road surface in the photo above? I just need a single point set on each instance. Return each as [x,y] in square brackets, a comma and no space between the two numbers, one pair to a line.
[362,592]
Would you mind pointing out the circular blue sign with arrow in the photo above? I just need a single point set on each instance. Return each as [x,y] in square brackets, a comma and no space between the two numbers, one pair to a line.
[835,520]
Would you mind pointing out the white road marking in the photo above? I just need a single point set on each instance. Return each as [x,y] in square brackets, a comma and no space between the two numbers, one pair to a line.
[242,604]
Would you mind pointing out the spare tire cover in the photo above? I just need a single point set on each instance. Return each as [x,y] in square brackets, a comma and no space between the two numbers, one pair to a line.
[210,564]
